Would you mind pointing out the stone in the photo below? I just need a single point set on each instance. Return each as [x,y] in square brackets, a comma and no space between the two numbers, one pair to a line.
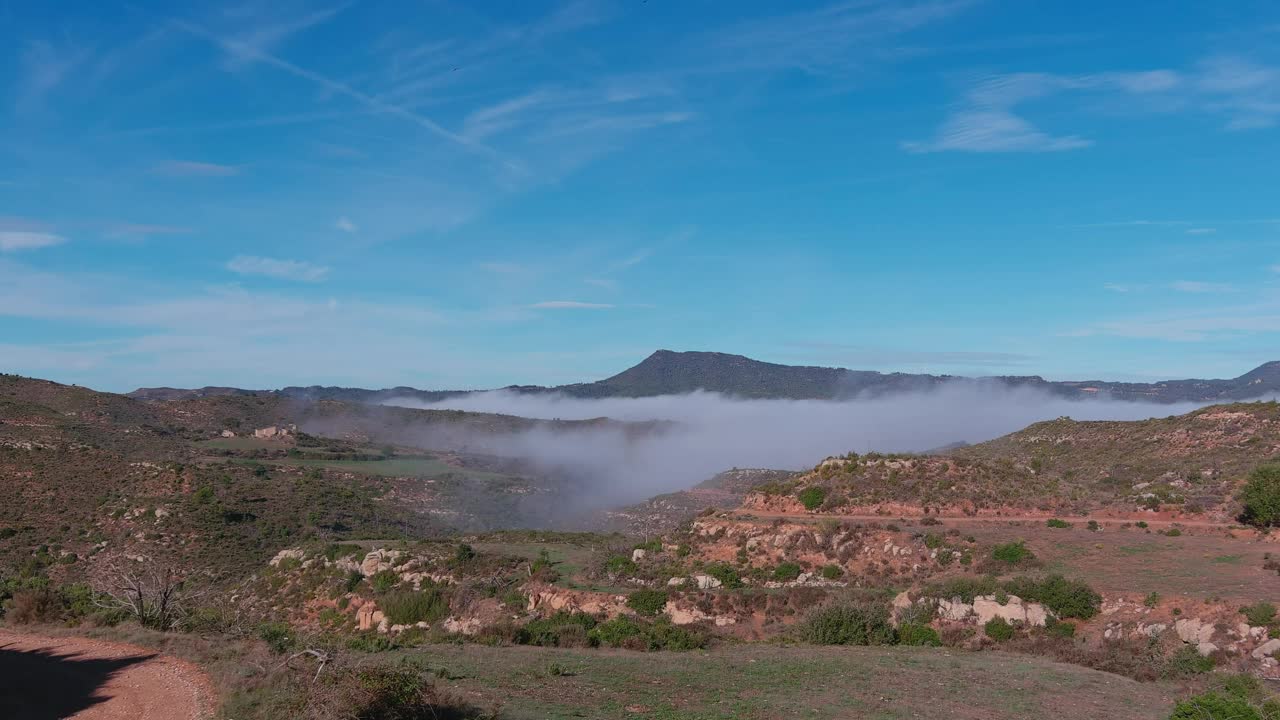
[1206,649]
[706,582]
[1266,649]
[1192,630]
[287,554]
[954,609]
[637,555]
[676,581]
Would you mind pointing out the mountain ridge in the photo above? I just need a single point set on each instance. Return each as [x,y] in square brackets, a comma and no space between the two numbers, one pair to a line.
[668,372]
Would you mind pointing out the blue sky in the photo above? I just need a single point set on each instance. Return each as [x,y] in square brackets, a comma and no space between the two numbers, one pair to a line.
[459,194]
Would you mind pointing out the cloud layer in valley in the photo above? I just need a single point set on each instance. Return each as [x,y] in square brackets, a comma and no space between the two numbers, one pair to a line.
[712,432]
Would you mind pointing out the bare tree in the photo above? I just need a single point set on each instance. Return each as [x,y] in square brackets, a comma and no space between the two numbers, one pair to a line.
[155,595]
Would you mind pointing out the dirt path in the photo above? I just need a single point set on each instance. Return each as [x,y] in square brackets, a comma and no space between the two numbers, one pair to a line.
[43,678]
[963,519]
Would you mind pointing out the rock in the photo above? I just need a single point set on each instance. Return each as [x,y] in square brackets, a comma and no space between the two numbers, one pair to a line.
[901,602]
[1153,629]
[637,555]
[1206,649]
[228,434]
[676,581]
[287,554]
[1192,630]
[1266,649]
[706,582]
[378,560]
[470,626]
[986,608]
[1257,632]
[364,616]
[954,609]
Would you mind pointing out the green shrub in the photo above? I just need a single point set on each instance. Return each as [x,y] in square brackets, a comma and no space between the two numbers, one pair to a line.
[786,572]
[1261,613]
[1057,523]
[965,587]
[1261,497]
[812,497]
[654,545]
[383,580]
[1066,598]
[647,602]
[564,629]
[1012,553]
[726,574]
[333,551]
[623,631]
[1141,525]
[619,565]
[1213,706]
[463,553]
[863,623]
[832,572]
[998,629]
[1188,661]
[406,607]
[933,541]
[915,634]
[278,636]
[1059,629]
[351,581]
[1173,532]
[1093,526]
[1152,599]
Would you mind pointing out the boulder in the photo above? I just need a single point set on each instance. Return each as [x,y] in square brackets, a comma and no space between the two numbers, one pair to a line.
[637,555]
[1206,649]
[955,610]
[1192,630]
[706,582]
[987,609]
[1266,649]
[287,554]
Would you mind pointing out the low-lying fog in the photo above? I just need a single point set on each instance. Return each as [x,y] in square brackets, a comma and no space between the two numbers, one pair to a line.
[714,432]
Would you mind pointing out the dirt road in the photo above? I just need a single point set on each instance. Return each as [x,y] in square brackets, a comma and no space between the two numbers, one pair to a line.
[43,678]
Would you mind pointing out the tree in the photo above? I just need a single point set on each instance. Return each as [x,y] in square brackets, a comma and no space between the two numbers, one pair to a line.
[155,595]
[1261,497]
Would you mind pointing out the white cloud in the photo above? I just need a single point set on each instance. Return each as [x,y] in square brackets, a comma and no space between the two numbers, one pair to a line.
[1196,286]
[994,131]
[569,305]
[1120,287]
[1201,231]
[186,168]
[14,240]
[281,269]
[344,224]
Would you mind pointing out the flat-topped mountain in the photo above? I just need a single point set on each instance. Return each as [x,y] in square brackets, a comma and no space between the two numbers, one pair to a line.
[666,372]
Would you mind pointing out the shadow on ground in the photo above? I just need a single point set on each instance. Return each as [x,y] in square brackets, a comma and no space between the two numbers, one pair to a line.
[44,685]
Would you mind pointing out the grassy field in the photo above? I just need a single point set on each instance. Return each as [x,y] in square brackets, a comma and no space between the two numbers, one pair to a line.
[1137,562]
[753,682]
[417,466]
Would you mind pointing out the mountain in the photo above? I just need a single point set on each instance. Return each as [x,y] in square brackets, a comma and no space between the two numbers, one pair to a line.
[666,372]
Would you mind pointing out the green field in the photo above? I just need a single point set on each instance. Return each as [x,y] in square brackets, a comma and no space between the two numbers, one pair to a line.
[418,466]
[758,682]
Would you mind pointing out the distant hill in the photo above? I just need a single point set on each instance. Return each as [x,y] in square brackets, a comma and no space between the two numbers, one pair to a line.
[666,372]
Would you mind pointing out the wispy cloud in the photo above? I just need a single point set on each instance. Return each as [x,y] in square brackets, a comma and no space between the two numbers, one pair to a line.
[280,269]
[1122,287]
[569,305]
[188,168]
[990,118]
[1196,286]
[267,33]
[504,268]
[45,67]
[135,231]
[345,225]
[15,240]
[1201,231]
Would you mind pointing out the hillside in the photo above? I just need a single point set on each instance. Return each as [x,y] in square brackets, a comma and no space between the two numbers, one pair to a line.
[666,372]
[1189,464]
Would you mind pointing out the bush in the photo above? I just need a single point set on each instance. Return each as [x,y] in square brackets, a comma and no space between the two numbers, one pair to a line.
[1094,526]
[619,565]
[812,497]
[915,634]
[1057,523]
[406,607]
[647,602]
[726,574]
[1188,661]
[463,553]
[1012,553]
[850,624]
[564,629]
[1261,497]
[965,588]
[333,551]
[998,629]
[1066,598]
[630,633]
[1173,532]
[1152,599]
[382,693]
[786,572]
[1213,706]
[383,580]
[1259,613]
[1056,628]
[832,572]
[278,636]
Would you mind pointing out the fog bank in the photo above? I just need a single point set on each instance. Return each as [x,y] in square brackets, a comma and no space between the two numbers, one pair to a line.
[714,432]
